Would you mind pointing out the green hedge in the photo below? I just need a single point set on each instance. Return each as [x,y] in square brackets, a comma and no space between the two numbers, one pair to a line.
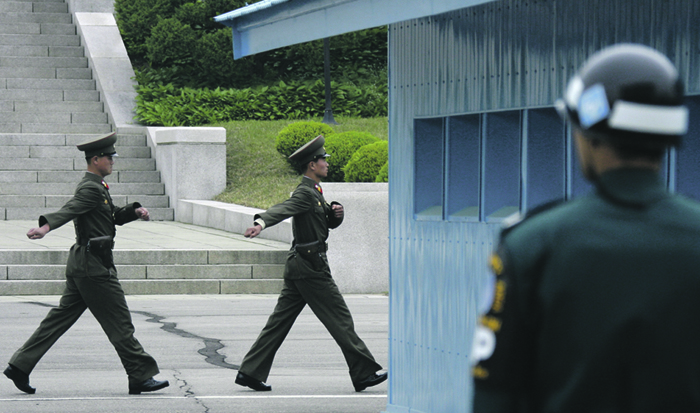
[341,147]
[365,164]
[167,105]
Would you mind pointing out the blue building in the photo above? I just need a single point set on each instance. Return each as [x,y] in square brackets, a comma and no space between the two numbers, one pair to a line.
[474,138]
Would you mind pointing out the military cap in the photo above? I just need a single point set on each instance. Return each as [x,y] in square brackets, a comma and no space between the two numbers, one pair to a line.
[101,146]
[311,150]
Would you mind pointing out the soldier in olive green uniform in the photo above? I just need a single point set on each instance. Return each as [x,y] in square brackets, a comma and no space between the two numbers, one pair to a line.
[307,278]
[595,306]
[91,278]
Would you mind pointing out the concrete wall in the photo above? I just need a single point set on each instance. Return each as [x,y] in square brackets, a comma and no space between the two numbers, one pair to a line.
[191,161]
[91,6]
[110,64]
[358,250]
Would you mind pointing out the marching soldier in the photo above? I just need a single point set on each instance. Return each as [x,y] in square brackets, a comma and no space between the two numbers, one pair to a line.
[91,277]
[307,278]
[595,306]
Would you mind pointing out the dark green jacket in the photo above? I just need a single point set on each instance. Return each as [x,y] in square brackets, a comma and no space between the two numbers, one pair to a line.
[93,215]
[596,306]
[312,219]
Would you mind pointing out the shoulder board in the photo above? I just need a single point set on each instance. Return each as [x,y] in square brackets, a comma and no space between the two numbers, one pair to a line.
[515,220]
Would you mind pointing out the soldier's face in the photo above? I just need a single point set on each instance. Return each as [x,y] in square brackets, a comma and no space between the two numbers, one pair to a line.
[104,165]
[321,167]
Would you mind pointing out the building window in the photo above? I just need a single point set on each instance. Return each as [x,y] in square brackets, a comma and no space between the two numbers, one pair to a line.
[685,168]
[546,142]
[487,166]
[429,155]
[463,167]
[502,165]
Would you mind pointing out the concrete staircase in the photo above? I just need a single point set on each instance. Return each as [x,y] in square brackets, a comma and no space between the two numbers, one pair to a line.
[32,272]
[49,103]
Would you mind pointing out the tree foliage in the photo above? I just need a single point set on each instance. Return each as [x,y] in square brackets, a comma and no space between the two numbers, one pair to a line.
[179,42]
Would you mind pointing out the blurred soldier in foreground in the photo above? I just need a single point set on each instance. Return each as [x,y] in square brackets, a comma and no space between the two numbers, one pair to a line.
[595,306]
[91,277]
[307,278]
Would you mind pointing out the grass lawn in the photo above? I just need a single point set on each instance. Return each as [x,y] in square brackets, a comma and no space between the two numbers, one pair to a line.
[257,175]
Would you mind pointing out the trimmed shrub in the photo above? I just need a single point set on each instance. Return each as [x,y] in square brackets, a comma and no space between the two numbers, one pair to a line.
[135,19]
[171,43]
[341,147]
[295,135]
[383,175]
[365,164]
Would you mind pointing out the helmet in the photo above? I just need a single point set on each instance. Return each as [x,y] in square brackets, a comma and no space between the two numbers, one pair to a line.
[627,91]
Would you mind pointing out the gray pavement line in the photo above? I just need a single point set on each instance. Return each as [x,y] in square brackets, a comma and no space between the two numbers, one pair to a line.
[211,345]
[141,397]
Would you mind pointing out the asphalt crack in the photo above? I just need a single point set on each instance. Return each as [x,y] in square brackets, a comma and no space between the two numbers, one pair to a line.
[211,345]
[187,390]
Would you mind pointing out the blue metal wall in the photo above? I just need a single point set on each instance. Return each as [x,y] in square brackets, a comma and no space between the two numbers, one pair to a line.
[511,55]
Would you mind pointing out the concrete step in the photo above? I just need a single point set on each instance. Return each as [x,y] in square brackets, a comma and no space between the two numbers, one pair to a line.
[39,40]
[41,272]
[69,188]
[50,95]
[65,128]
[95,128]
[53,107]
[152,287]
[54,117]
[23,213]
[62,84]
[72,152]
[45,73]
[156,272]
[60,139]
[42,51]
[37,1]
[151,257]
[57,201]
[32,7]
[16,61]
[60,29]
[76,176]
[31,17]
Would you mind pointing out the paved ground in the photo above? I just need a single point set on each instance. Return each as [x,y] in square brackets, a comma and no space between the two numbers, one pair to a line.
[136,235]
[198,342]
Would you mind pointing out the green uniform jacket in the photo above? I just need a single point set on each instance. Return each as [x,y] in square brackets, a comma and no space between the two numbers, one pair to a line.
[94,215]
[313,217]
[596,305]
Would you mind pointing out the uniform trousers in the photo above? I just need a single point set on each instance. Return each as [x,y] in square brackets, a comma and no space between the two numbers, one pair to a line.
[324,299]
[104,297]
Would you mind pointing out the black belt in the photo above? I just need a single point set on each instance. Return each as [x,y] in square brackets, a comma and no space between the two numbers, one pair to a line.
[102,243]
[311,247]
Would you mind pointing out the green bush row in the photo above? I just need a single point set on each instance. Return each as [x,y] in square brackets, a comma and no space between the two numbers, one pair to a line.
[167,105]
